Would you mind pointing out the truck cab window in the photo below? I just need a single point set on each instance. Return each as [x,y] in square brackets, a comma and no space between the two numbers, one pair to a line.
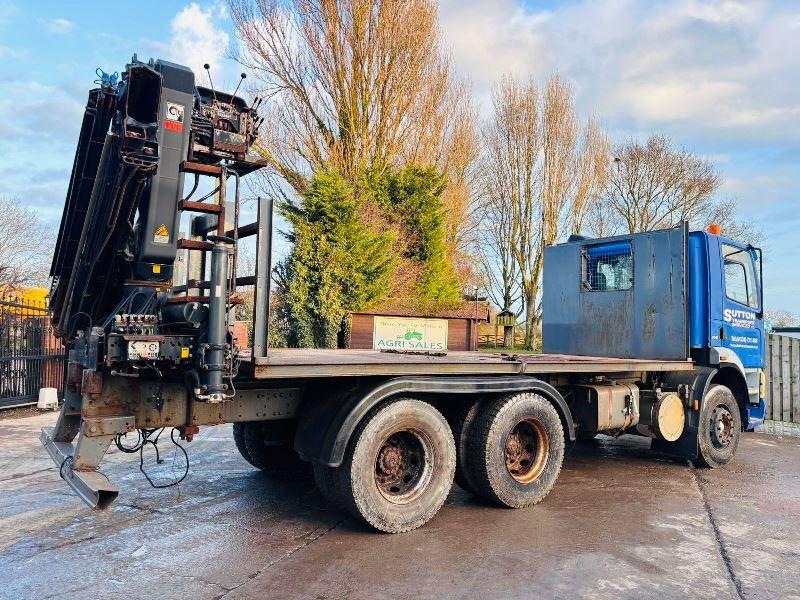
[608,266]
[740,276]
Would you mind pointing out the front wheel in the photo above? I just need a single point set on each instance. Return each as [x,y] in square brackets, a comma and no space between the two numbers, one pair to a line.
[399,466]
[720,428]
[516,450]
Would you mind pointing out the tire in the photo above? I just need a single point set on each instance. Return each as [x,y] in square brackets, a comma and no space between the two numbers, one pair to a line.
[268,446]
[325,478]
[241,446]
[720,428]
[516,450]
[399,465]
[461,421]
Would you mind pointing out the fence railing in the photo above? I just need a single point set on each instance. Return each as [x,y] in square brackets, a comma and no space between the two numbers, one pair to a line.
[31,357]
[783,378]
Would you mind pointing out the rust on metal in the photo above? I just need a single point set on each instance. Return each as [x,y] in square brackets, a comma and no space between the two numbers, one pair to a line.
[74,376]
[99,426]
[184,244]
[200,168]
[92,382]
[201,207]
[400,467]
[526,451]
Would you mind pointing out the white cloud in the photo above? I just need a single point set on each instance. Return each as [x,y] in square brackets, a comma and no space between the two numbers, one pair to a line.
[197,39]
[727,68]
[58,26]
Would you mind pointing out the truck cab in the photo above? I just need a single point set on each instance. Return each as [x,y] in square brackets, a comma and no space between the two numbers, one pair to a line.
[726,316]
[669,295]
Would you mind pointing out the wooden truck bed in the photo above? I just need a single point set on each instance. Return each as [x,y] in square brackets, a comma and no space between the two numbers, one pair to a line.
[291,363]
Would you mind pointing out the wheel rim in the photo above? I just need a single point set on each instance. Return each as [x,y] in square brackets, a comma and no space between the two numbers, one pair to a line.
[403,466]
[721,427]
[526,450]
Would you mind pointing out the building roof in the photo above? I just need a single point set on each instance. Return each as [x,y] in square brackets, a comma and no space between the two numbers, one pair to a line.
[460,310]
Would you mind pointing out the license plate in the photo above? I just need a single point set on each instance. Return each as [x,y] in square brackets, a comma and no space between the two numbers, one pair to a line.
[142,350]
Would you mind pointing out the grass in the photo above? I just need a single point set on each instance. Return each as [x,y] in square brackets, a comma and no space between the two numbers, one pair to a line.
[514,350]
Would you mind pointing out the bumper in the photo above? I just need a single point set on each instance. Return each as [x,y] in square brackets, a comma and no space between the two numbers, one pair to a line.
[755,415]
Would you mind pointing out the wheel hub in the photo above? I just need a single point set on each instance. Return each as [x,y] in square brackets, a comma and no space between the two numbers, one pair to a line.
[391,461]
[401,471]
[721,427]
[526,450]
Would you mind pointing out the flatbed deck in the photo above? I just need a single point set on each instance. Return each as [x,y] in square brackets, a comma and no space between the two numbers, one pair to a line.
[292,363]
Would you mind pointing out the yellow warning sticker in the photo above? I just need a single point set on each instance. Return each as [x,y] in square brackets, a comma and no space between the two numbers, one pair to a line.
[184,352]
[162,235]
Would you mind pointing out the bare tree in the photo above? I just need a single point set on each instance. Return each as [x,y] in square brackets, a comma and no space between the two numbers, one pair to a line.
[25,252]
[593,174]
[782,318]
[353,84]
[655,186]
[724,214]
[357,85]
[542,174]
[602,220]
[498,269]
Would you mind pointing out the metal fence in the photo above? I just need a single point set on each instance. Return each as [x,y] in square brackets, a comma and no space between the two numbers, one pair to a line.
[31,357]
[783,378]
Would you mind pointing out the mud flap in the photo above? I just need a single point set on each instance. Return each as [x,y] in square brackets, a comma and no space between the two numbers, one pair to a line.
[692,386]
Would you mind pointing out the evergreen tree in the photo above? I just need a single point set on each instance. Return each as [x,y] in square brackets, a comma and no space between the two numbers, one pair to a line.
[412,198]
[337,264]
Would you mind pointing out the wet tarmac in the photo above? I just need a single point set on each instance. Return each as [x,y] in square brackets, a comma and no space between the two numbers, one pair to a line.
[621,522]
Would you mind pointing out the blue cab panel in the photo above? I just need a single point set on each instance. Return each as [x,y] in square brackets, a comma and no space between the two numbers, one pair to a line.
[621,297]
[725,297]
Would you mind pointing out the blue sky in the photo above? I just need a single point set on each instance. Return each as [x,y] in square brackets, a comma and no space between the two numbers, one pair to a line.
[720,77]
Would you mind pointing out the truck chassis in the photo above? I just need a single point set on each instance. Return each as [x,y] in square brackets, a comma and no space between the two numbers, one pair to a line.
[320,403]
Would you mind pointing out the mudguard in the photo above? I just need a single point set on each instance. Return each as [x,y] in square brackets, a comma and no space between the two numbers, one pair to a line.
[696,385]
[327,422]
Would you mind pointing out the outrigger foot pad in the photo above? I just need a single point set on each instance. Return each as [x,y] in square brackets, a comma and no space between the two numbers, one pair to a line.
[93,487]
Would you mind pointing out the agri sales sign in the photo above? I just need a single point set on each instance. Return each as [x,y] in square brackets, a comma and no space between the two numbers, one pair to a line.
[409,333]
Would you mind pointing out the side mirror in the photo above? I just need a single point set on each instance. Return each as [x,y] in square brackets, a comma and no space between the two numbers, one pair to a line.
[760,313]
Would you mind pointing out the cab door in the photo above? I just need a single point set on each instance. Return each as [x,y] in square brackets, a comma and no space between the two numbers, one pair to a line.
[742,328]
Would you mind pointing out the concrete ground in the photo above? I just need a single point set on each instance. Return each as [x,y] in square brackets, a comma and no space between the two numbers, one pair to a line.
[621,522]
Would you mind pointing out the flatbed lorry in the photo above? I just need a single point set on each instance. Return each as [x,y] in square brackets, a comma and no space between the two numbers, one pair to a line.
[658,334]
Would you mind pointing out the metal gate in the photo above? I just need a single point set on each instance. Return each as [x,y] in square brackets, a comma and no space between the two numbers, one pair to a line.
[31,357]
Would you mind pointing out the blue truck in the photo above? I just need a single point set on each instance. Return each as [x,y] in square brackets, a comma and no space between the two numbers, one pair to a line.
[657,334]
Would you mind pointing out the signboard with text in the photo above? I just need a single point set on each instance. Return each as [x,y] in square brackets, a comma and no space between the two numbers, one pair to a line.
[409,333]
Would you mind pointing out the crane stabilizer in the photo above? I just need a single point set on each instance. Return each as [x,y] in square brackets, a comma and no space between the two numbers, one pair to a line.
[113,298]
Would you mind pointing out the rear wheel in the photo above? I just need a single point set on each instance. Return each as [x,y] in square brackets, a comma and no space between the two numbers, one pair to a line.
[461,421]
[516,450]
[238,438]
[267,445]
[399,466]
[325,478]
[719,429]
